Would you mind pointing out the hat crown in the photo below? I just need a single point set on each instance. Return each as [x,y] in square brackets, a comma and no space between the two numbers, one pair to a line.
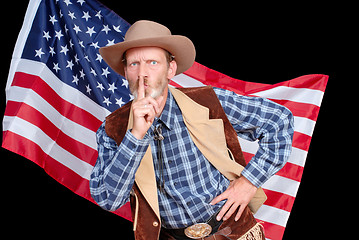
[146,29]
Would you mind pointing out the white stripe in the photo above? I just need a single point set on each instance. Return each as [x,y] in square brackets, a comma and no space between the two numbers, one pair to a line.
[273,215]
[36,135]
[186,81]
[298,156]
[65,91]
[70,128]
[303,95]
[304,125]
[283,185]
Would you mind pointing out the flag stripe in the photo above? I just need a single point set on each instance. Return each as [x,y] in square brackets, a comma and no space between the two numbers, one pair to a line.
[30,114]
[279,200]
[35,134]
[31,98]
[272,231]
[64,107]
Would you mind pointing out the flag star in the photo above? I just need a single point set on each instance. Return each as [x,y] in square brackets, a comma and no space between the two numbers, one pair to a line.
[107,101]
[100,86]
[64,49]
[77,29]
[99,57]
[86,15]
[58,34]
[56,67]
[70,64]
[82,74]
[98,15]
[125,82]
[82,44]
[105,29]
[53,19]
[71,44]
[90,31]
[76,79]
[106,72]
[52,52]
[117,29]
[39,52]
[119,102]
[76,59]
[88,89]
[60,13]
[93,72]
[46,35]
[72,15]
[112,87]
[95,45]
[67,2]
[87,58]
[110,43]
[66,29]
[81,1]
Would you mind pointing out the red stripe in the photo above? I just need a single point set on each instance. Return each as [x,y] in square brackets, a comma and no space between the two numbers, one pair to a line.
[211,77]
[64,107]
[291,171]
[272,231]
[30,114]
[279,200]
[301,141]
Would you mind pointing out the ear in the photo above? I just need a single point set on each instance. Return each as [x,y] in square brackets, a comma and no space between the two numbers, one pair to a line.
[172,69]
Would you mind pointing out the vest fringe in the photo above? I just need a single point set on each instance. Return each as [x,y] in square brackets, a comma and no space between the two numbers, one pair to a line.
[254,233]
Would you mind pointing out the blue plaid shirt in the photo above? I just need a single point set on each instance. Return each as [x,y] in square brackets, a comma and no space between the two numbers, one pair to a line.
[191,182]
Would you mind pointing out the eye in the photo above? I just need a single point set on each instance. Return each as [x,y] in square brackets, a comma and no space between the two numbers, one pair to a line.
[133,64]
[153,62]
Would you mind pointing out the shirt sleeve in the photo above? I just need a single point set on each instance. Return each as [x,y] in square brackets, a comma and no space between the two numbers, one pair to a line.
[113,175]
[260,119]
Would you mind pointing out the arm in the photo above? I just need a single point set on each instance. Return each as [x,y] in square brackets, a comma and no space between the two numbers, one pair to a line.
[260,119]
[113,175]
[269,123]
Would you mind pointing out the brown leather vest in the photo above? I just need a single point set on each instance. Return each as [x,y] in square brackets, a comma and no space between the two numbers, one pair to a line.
[148,225]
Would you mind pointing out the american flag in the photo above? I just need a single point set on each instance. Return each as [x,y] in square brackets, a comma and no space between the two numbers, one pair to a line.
[59,91]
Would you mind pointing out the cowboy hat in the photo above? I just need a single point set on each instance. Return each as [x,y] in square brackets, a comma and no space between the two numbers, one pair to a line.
[150,34]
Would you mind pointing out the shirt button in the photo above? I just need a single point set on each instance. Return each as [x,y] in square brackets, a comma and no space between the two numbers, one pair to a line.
[155,224]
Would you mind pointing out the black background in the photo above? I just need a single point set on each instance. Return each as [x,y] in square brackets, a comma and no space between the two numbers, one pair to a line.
[262,42]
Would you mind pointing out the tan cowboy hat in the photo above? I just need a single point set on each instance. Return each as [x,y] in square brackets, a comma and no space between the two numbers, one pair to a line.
[150,34]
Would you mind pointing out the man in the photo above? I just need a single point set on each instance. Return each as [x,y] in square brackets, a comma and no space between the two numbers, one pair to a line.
[165,151]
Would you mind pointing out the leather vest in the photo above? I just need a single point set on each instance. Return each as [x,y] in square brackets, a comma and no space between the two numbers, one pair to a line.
[203,102]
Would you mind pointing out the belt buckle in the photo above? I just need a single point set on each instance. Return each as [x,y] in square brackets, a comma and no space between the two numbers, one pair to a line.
[198,231]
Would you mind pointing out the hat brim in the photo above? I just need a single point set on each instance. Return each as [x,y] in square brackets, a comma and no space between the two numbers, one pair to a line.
[179,46]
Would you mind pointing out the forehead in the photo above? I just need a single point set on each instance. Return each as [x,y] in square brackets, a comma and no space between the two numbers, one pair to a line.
[145,53]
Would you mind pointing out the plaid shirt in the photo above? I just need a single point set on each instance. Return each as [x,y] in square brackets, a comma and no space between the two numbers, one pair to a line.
[191,182]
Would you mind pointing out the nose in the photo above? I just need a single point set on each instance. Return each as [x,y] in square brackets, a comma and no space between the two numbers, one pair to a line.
[143,71]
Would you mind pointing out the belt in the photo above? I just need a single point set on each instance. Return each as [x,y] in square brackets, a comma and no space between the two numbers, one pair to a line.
[196,231]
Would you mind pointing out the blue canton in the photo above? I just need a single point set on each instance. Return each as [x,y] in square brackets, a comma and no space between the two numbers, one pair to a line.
[66,36]
[191,182]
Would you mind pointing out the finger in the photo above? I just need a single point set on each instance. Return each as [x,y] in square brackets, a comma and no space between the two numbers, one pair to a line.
[141,88]
[232,210]
[239,213]
[219,198]
[224,209]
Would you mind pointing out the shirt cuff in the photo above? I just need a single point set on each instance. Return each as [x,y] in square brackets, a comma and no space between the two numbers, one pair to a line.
[133,146]
[255,174]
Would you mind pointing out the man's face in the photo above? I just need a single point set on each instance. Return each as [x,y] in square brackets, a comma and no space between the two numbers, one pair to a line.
[149,63]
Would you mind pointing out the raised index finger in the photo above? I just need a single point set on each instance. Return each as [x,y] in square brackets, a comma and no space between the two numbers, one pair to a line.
[141,88]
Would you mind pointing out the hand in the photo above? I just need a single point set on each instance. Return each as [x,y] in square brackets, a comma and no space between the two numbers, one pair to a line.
[238,194]
[144,111]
